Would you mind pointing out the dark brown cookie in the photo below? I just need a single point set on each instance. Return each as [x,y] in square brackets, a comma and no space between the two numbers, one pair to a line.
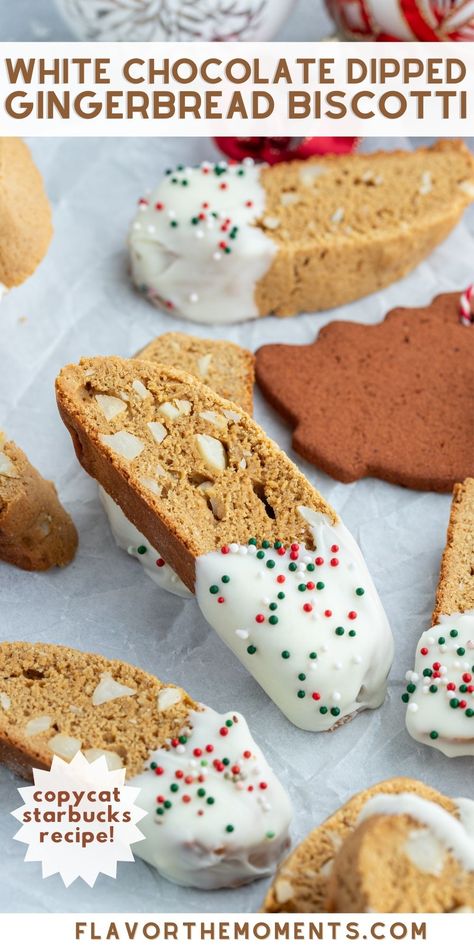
[394,400]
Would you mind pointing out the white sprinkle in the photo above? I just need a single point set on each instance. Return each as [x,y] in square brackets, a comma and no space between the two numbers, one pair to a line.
[336,696]
[266,601]
[412,706]
[243,551]
[199,234]
[172,214]
[357,659]
[338,666]
[217,255]
[430,640]
[151,228]
[234,547]
[193,298]
[242,633]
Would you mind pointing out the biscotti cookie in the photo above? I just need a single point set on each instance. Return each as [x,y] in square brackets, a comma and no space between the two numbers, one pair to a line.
[225,367]
[406,854]
[217,816]
[36,533]
[303,881]
[392,400]
[239,524]
[440,689]
[25,214]
[222,243]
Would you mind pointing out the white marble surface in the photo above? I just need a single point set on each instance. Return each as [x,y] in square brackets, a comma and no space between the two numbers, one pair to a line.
[80,302]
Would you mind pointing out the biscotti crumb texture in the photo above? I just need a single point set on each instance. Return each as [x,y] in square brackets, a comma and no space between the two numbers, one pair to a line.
[301,883]
[36,533]
[25,214]
[224,366]
[57,700]
[346,226]
[190,470]
[455,591]
[392,863]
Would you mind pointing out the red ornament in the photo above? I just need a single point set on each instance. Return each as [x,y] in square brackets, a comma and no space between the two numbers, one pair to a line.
[430,21]
[273,150]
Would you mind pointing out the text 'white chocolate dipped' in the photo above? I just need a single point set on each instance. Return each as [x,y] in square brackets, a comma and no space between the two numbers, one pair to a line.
[217,815]
[308,625]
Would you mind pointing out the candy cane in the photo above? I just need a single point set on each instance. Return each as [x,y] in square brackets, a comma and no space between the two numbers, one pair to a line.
[466,306]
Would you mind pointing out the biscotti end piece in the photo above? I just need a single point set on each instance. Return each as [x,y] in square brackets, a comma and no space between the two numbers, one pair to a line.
[56,700]
[25,214]
[406,854]
[36,533]
[224,366]
[301,883]
[455,591]
[223,243]
[190,470]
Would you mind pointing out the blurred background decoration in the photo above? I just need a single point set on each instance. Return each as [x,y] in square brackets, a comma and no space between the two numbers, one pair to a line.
[426,20]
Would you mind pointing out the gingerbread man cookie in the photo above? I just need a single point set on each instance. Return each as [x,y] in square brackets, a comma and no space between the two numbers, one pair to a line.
[394,400]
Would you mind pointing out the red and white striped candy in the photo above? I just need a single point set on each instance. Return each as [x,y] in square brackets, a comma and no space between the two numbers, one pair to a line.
[426,20]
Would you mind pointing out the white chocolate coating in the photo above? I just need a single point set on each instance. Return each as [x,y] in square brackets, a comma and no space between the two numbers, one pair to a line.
[456,835]
[440,689]
[194,246]
[222,818]
[128,538]
[298,640]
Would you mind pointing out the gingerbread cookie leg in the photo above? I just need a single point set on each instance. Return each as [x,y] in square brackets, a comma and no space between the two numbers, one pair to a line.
[211,826]
[275,571]
[440,688]
[36,533]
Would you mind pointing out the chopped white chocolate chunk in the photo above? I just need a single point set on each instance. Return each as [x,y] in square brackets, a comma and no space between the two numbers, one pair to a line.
[65,746]
[158,431]
[140,389]
[110,406]
[212,451]
[108,690]
[124,443]
[38,725]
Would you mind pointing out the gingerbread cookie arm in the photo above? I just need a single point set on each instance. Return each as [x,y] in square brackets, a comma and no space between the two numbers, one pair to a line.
[36,533]
[440,687]
[57,700]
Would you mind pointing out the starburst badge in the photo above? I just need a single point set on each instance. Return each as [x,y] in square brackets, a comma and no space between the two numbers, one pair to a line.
[79,819]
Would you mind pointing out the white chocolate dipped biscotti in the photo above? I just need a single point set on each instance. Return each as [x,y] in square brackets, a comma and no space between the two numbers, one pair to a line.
[224,242]
[275,571]
[399,846]
[217,816]
[440,688]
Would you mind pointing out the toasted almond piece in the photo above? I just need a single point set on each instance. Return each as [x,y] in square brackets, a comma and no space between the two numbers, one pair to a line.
[214,417]
[212,451]
[123,443]
[65,746]
[204,363]
[7,469]
[108,690]
[5,701]
[231,414]
[151,484]
[158,431]
[140,389]
[110,406]
[184,406]
[167,697]
[113,760]
[38,725]
[169,411]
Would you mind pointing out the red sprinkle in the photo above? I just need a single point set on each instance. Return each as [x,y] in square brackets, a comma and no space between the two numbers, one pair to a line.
[235,769]
[294,555]
[186,798]
[263,785]
[247,754]
[334,548]
[220,599]
[223,731]
[179,774]
[310,585]
[450,686]
[202,217]
[159,771]
[197,752]
[209,748]
[295,546]
[160,562]
[159,206]
[174,742]
[189,779]
[308,607]
[281,551]
[334,562]
[250,788]
[218,765]
[249,204]
[225,549]
[327,613]
[462,704]
[223,186]
[201,778]
[222,244]
[259,617]
[143,202]
[352,615]
[467,678]
[160,799]
[424,650]
[281,579]
[315,696]
[436,666]
[205,204]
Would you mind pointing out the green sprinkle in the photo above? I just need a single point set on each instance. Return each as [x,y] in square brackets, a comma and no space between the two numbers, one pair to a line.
[285,654]
[168,804]
[454,703]
[427,672]
[251,649]
[160,810]
[141,550]
[433,689]
[153,765]
[260,555]
[281,595]
[411,688]
[270,835]
[273,620]
[310,567]
[179,167]
[460,650]
[229,722]
[360,591]
[441,640]
[210,800]
[405,698]
[339,630]
[182,739]
[323,709]
[229,828]
[301,694]
[469,712]
[265,544]
[173,223]
[273,606]
[313,655]
[335,712]
[292,567]
[195,220]
[241,173]
[302,587]
[319,585]
[201,792]
[270,564]
[174,788]
[352,633]
[454,633]
[185,182]
[252,541]
[225,579]
[213,590]
[463,688]
[226,761]
[302,676]
[434,735]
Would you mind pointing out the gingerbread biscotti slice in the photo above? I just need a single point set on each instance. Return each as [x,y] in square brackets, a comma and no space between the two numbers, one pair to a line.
[25,214]
[226,242]
[195,768]
[302,881]
[224,366]
[36,533]
[407,853]
[440,688]
[242,527]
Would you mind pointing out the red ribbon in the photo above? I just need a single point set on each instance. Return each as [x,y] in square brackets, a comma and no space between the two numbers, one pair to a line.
[273,150]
